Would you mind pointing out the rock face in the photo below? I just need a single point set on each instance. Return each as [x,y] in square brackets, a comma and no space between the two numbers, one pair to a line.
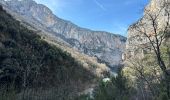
[137,43]
[107,47]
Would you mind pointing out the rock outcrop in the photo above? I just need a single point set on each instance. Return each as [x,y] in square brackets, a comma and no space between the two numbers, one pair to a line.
[137,43]
[107,47]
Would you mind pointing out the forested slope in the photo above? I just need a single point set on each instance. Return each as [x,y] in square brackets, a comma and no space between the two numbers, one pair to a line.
[28,63]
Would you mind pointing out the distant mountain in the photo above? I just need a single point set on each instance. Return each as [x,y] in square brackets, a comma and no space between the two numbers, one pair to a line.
[107,47]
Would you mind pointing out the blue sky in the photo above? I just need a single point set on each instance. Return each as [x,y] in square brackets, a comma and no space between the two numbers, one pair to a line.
[103,15]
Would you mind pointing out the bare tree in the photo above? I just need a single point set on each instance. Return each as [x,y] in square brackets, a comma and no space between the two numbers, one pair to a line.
[156,32]
[145,76]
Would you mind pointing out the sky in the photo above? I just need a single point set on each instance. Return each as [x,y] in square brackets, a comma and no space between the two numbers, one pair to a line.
[113,16]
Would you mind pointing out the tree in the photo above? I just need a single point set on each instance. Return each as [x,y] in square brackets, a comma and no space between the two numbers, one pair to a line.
[144,76]
[156,32]
[116,89]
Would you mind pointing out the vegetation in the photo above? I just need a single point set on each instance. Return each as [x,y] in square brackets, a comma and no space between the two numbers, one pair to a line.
[90,63]
[115,89]
[30,68]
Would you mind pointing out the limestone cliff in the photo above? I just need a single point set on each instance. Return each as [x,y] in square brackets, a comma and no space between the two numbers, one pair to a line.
[137,43]
[107,47]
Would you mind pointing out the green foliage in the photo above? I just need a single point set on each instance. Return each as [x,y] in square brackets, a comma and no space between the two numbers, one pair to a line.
[117,89]
[9,94]
[84,97]
[162,96]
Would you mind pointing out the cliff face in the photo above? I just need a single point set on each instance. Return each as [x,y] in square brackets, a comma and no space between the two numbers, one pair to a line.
[106,46]
[137,43]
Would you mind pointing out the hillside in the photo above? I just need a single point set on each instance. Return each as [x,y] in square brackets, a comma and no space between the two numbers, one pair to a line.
[30,67]
[107,47]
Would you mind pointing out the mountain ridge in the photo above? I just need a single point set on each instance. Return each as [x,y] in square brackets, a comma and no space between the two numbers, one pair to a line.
[104,45]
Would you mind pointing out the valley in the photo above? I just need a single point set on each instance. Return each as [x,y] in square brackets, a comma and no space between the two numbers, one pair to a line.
[44,57]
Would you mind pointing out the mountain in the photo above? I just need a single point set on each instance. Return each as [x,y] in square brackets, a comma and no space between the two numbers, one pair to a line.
[107,47]
[137,43]
[30,67]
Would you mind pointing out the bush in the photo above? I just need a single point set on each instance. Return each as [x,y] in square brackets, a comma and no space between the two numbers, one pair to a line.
[162,96]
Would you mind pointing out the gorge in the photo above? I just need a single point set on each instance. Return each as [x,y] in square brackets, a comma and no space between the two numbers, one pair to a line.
[44,57]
